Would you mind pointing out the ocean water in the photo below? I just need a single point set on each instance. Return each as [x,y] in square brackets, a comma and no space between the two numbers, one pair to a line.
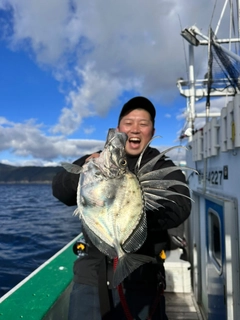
[33,226]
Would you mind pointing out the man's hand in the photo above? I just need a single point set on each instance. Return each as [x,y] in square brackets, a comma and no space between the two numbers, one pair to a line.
[94,155]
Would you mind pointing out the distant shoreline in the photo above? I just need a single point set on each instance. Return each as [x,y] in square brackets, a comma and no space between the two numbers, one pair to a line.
[27,175]
[25,182]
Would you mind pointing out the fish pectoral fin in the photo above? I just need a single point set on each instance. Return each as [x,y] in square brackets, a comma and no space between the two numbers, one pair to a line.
[127,264]
[72,168]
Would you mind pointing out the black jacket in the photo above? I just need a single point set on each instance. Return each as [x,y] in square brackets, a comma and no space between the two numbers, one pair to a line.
[86,268]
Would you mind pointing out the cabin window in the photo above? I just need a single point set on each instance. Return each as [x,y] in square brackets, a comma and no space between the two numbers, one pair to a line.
[215,244]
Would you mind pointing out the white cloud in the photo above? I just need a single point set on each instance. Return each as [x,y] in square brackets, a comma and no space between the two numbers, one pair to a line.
[41,25]
[97,93]
[104,48]
[168,115]
[27,140]
[32,162]
[101,49]
[89,130]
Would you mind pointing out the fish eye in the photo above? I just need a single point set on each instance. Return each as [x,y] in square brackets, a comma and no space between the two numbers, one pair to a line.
[123,162]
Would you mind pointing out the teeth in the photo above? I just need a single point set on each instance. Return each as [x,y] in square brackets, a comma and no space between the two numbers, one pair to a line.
[134,139]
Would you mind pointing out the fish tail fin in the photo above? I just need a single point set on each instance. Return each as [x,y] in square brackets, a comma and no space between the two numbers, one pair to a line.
[127,264]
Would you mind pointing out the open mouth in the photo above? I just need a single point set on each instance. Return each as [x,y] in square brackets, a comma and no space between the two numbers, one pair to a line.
[134,141]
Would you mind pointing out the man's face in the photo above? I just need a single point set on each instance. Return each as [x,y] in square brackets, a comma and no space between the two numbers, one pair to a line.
[138,126]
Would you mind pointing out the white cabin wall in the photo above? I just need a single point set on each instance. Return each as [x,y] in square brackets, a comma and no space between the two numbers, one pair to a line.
[214,149]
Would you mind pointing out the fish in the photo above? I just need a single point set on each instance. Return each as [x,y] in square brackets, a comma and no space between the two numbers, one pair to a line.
[112,201]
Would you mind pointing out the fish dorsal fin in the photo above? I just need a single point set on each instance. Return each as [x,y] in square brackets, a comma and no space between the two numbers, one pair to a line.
[165,184]
[150,164]
[138,236]
[155,184]
[72,168]
[162,173]
[142,153]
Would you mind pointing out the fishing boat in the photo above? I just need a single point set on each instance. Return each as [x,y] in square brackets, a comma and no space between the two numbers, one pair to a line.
[44,294]
[208,285]
[214,151]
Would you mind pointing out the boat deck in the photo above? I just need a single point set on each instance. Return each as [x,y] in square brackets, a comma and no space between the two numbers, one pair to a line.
[181,306]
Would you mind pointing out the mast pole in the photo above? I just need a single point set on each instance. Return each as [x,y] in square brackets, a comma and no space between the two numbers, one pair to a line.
[192,87]
[219,22]
[238,13]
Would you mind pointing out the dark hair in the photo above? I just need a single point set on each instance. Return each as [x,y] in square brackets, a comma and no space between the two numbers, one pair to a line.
[138,103]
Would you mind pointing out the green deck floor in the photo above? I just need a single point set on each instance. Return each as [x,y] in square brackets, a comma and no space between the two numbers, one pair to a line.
[34,298]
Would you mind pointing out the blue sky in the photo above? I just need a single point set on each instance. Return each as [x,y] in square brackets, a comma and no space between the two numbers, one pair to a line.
[67,67]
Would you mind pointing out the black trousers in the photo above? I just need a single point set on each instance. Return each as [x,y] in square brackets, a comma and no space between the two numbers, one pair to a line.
[141,296]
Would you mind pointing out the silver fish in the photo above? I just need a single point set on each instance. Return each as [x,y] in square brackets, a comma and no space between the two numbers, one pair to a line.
[112,202]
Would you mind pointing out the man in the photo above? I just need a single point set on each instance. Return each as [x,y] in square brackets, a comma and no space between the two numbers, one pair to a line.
[91,298]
